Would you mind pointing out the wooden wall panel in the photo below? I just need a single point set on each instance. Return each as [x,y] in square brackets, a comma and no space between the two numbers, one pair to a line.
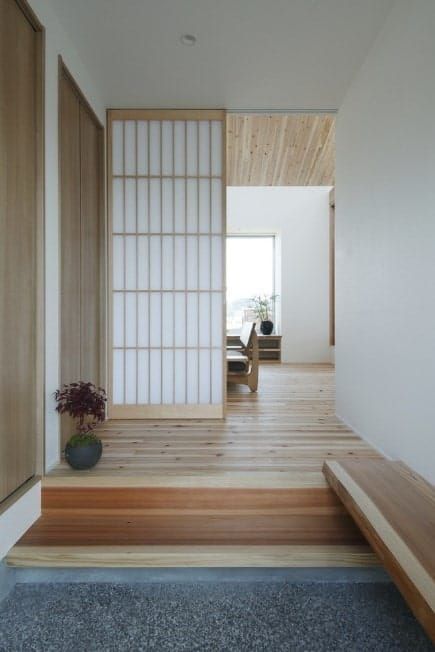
[20,113]
[90,176]
[280,150]
[82,239]
[70,233]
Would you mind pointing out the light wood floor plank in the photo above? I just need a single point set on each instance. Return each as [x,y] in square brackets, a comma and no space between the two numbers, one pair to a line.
[192,556]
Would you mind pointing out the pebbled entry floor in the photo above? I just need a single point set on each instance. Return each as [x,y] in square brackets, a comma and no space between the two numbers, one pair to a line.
[230,616]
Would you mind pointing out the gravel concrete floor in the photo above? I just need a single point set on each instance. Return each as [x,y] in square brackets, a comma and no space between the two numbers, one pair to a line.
[243,616]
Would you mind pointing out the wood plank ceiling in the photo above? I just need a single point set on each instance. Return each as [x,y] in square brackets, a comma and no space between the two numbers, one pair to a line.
[280,150]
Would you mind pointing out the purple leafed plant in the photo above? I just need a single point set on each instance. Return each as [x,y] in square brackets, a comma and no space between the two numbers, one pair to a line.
[84,402]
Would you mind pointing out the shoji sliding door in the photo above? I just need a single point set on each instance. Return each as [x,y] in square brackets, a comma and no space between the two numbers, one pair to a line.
[167,206]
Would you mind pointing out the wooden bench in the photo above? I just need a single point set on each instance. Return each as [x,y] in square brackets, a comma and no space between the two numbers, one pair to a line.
[395,510]
[242,360]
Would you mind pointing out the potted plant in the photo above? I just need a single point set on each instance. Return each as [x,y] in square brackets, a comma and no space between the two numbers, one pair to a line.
[86,403]
[262,307]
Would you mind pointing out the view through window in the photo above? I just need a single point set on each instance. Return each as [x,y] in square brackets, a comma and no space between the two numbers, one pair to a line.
[250,272]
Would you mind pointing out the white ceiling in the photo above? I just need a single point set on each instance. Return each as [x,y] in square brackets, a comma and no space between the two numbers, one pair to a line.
[250,54]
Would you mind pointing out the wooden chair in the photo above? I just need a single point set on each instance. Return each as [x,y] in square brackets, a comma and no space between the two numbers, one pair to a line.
[242,360]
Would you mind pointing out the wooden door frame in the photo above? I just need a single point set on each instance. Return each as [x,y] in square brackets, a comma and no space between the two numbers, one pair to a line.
[332,267]
[64,73]
[39,30]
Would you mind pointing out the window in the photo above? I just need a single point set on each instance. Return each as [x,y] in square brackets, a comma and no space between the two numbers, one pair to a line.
[250,271]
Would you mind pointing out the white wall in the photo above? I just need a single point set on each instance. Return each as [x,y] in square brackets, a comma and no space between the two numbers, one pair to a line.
[17,519]
[56,42]
[385,194]
[300,218]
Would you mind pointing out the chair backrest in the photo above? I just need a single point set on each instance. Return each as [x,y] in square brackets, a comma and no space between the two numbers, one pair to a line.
[246,333]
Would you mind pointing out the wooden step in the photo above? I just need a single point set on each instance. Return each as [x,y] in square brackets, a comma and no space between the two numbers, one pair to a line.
[395,509]
[179,516]
[191,526]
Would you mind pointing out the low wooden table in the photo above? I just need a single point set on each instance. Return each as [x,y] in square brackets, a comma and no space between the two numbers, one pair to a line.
[269,346]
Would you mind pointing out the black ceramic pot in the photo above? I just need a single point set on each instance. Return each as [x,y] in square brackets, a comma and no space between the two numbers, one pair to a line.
[83,457]
[266,327]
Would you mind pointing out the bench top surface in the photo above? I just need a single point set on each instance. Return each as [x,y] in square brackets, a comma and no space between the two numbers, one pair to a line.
[395,509]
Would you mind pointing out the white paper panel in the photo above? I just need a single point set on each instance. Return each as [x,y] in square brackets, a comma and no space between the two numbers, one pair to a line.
[142,206]
[167,148]
[179,148]
[117,147]
[155,376]
[167,262]
[130,205]
[180,206]
[142,262]
[118,376]
[180,377]
[217,384]
[167,206]
[155,168]
[192,206]
[192,148]
[155,263]
[142,147]
[192,319]
[130,147]
[155,206]
[192,262]
[130,262]
[118,319]
[216,206]
[130,377]
[168,324]
[180,263]
[168,377]
[216,263]
[130,319]
[204,148]
[204,376]
[180,319]
[118,263]
[155,324]
[143,377]
[192,376]
[118,205]
[143,319]
[216,148]
[204,206]
[204,262]
[204,319]
[217,324]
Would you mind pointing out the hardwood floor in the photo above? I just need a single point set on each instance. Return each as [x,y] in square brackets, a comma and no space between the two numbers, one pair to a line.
[245,491]
[277,437]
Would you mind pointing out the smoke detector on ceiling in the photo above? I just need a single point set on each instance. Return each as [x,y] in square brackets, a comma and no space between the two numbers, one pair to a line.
[188,39]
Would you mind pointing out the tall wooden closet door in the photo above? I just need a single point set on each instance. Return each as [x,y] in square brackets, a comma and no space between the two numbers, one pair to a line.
[167,186]
[82,241]
[18,247]
[70,337]
[92,244]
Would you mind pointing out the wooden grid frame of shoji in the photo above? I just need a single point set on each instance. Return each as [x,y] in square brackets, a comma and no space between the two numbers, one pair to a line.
[167,200]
